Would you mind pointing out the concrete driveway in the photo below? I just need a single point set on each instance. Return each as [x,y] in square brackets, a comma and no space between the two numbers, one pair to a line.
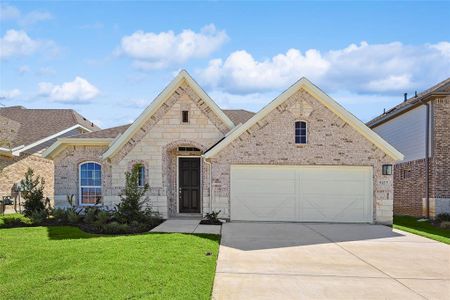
[329,261]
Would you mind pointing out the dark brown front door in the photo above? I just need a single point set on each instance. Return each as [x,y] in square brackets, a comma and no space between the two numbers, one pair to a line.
[189,184]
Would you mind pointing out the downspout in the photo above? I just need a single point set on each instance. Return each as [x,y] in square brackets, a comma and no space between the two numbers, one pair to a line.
[427,154]
[210,183]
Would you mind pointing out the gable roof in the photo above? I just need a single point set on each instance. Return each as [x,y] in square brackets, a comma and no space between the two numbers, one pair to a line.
[322,98]
[159,100]
[37,126]
[238,116]
[440,89]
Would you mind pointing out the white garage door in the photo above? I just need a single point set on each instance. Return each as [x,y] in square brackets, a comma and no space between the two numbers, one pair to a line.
[301,193]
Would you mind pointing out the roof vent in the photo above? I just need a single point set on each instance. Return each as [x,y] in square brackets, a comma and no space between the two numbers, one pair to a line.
[405,95]
[415,94]
[384,111]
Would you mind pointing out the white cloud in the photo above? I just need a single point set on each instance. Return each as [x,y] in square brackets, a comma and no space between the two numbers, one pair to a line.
[10,94]
[380,68]
[18,43]
[136,103]
[151,50]
[12,13]
[77,91]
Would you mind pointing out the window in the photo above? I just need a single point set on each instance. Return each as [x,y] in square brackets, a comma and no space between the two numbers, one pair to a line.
[387,169]
[300,132]
[185,116]
[90,183]
[141,174]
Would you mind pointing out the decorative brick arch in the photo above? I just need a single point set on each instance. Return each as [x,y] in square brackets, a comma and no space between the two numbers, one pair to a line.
[169,153]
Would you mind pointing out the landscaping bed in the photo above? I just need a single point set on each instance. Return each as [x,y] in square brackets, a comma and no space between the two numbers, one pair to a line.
[428,229]
[63,262]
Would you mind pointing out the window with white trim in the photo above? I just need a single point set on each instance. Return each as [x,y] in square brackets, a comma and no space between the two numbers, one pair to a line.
[90,183]
[301,132]
[141,175]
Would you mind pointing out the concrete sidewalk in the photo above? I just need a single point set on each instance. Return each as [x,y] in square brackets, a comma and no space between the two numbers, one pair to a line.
[186,226]
[329,261]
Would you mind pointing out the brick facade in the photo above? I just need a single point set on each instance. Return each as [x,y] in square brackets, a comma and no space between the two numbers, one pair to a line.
[331,141]
[156,146]
[410,177]
[13,169]
[409,187]
[270,141]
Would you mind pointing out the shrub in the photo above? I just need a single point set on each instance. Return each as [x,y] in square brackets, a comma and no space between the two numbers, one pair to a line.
[444,217]
[38,216]
[32,191]
[115,227]
[73,217]
[60,215]
[103,217]
[90,215]
[131,207]
[212,218]
[14,220]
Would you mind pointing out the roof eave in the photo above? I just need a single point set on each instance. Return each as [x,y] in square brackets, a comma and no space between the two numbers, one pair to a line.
[62,143]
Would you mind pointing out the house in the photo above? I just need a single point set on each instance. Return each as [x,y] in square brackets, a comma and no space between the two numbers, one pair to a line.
[419,127]
[25,134]
[302,157]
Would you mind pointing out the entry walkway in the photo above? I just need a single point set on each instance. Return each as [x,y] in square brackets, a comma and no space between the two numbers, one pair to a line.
[186,226]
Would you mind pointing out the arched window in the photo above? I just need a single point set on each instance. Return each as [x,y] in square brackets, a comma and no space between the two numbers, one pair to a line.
[301,134]
[90,183]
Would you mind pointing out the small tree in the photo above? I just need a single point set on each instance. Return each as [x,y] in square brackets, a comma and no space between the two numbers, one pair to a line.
[32,191]
[131,207]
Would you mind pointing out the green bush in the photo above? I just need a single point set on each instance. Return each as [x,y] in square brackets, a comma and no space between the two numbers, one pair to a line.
[103,217]
[73,217]
[32,191]
[444,217]
[131,207]
[90,215]
[115,228]
[14,220]
[60,215]
[38,216]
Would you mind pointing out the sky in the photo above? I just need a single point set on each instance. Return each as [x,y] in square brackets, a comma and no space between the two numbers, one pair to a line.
[109,60]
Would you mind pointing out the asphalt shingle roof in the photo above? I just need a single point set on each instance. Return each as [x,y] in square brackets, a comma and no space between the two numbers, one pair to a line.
[36,124]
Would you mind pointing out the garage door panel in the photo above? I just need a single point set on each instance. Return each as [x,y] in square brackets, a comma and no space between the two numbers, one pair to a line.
[301,193]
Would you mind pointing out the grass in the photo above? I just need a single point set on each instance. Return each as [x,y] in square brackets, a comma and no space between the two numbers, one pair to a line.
[67,263]
[425,229]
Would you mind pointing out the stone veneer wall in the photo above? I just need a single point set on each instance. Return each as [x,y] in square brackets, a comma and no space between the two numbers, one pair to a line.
[13,169]
[157,142]
[331,141]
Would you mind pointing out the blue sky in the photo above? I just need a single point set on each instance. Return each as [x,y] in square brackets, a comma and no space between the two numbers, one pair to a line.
[108,60]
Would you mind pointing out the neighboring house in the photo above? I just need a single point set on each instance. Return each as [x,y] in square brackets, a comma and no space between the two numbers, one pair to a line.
[303,157]
[420,129]
[25,134]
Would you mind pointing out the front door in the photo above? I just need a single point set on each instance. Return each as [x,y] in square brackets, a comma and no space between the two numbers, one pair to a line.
[189,184]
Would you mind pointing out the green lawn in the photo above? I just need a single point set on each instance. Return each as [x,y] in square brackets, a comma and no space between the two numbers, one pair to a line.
[66,263]
[425,229]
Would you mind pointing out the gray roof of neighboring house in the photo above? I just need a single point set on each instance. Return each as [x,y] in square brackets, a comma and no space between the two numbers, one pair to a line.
[37,124]
[104,133]
[236,115]
[442,88]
